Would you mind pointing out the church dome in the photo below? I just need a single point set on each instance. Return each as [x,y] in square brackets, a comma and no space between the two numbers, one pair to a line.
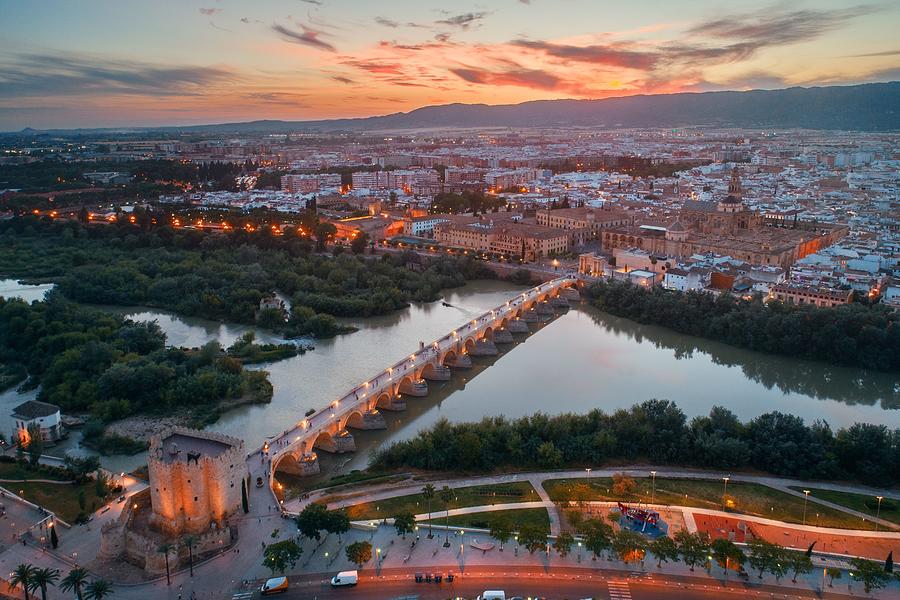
[731,200]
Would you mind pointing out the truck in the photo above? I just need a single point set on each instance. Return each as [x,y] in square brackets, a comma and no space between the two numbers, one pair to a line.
[492,595]
[344,578]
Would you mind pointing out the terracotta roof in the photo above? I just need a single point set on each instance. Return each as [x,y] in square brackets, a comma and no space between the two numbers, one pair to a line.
[34,409]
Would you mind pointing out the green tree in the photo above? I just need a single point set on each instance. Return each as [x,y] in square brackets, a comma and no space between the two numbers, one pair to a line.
[501,531]
[312,520]
[43,578]
[549,456]
[337,521]
[35,446]
[563,543]
[727,554]
[629,545]
[325,232]
[165,548]
[664,549]
[597,536]
[532,537]
[833,573]
[404,523]
[75,580]
[189,542]
[428,492]
[693,547]
[281,556]
[358,243]
[23,576]
[764,556]
[872,574]
[798,562]
[359,553]
[98,589]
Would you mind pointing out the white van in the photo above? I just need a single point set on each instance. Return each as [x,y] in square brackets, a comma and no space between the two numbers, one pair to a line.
[344,578]
[492,595]
[276,585]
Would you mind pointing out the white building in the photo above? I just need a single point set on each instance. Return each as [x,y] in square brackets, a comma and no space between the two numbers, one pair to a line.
[44,415]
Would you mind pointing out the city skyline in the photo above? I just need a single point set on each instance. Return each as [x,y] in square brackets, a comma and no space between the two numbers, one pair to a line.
[99,64]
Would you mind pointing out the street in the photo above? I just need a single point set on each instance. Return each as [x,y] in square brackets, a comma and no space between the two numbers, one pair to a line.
[552,588]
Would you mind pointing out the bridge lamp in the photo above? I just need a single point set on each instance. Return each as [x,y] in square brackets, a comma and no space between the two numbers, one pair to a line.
[336,402]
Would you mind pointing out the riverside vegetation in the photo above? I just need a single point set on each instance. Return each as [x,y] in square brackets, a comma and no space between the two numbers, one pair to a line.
[657,431]
[854,335]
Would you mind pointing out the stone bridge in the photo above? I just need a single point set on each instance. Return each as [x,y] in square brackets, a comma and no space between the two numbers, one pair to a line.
[294,450]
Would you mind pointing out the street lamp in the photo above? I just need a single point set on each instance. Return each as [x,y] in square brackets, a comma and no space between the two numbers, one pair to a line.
[724,491]
[805,498]
[878,512]
[653,487]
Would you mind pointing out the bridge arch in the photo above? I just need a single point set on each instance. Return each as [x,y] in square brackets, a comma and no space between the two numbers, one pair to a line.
[384,401]
[448,358]
[324,437]
[354,420]
[427,371]
[469,345]
[504,323]
[488,333]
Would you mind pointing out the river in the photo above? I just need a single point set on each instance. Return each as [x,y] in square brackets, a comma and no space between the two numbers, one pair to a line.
[582,360]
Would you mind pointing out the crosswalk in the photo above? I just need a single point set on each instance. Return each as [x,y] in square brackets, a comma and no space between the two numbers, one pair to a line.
[618,590]
[242,596]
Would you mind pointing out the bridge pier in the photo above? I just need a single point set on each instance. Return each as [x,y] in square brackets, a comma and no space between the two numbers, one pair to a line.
[461,362]
[484,347]
[544,308]
[395,404]
[571,294]
[338,443]
[371,420]
[518,326]
[308,464]
[503,336]
[560,303]
[531,316]
[417,388]
[438,373]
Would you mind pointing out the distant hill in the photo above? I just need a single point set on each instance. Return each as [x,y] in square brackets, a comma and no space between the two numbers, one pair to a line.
[866,107]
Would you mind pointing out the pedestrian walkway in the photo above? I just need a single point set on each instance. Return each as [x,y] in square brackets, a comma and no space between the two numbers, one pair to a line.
[618,590]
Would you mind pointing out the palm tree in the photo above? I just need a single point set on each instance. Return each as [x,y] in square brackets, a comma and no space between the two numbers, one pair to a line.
[428,492]
[76,578]
[190,541]
[41,578]
[23,576]
[98,589]
[164,549]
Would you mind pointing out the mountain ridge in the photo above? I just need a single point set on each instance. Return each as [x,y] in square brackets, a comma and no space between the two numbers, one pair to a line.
[863,107]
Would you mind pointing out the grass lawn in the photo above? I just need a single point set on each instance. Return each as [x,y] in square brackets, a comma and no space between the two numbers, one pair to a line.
[484,520]
[520,491]
[746,498]
[890,509]
[61,499]
[19,471]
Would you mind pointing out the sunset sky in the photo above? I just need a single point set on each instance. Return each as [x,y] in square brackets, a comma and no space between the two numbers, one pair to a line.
[91,63]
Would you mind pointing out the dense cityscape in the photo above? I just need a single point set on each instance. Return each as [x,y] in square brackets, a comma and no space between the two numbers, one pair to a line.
[615,315]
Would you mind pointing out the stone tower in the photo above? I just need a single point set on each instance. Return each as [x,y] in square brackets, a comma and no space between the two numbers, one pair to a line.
[734,186]
[195,479]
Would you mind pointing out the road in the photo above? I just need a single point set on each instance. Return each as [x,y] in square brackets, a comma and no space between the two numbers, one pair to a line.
[600,587]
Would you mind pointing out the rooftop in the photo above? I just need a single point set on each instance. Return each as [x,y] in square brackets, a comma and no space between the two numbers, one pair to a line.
[34,409]
[178,446]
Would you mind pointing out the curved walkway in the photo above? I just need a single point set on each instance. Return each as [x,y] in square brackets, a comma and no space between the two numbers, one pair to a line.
[537,479]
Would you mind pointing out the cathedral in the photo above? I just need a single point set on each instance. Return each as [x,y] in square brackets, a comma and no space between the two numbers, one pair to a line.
[726,227]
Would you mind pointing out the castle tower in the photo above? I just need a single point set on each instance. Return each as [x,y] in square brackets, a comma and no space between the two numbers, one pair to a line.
[195,479]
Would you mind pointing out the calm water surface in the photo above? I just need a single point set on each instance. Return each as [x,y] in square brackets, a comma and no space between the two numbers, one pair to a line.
[584,359]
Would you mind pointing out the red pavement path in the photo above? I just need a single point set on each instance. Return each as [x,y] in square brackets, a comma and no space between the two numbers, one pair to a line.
[870,547]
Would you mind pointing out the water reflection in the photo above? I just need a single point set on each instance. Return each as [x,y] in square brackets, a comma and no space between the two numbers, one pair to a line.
[788,375]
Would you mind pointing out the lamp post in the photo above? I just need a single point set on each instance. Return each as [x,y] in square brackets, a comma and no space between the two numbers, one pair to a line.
[653,487]
[724,491]
[805,498]
[878,511]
